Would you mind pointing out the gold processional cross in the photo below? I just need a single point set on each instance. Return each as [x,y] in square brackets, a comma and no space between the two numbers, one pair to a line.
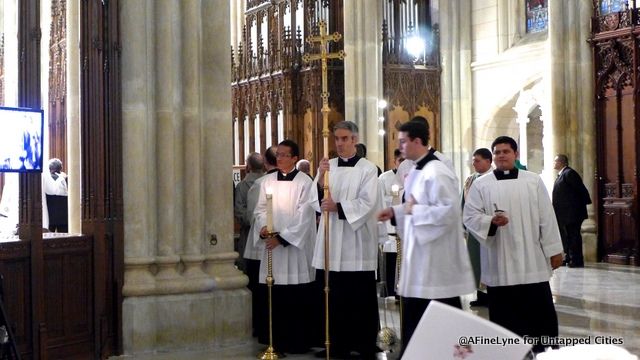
[324,40]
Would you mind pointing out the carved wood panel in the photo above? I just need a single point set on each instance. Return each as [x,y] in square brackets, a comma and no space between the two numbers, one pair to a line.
[616,59]
[58,81]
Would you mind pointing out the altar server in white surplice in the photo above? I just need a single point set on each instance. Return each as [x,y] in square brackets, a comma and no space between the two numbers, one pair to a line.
[355,198]
[509,212]
[292,251]
[435,261]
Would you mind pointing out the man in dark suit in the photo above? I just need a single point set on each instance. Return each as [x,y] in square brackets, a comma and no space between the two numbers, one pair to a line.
[570,200]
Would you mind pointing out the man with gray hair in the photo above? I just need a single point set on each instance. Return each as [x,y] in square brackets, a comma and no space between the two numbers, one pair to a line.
[254,166]
[354,198]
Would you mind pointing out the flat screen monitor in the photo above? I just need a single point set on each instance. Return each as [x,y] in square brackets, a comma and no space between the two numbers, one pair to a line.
[21,139]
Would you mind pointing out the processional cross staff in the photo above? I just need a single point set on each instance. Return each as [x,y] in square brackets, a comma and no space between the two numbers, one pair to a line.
[324,40]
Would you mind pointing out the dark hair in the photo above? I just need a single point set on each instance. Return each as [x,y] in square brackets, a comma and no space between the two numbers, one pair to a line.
[397,153]
[361,150]
[505,140]
[416,129]
[564,159]
[255,162]
[483,153]
[422,119]
[270,156]
[295,150]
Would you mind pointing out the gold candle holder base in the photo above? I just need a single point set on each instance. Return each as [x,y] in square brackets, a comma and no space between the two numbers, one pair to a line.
[270,354]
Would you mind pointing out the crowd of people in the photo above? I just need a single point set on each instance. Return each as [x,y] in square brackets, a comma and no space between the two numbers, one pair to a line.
[503,242]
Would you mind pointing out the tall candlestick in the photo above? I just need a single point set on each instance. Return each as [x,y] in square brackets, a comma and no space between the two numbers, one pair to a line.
[269,209]
[395,192]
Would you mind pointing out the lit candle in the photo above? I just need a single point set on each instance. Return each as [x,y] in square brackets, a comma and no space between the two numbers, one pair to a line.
[269,191]
[395,192]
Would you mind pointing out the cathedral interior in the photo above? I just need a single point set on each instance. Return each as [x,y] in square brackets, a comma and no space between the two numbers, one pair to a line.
[152,106]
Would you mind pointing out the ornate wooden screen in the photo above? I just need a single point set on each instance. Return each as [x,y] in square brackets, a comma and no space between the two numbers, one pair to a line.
[411,81]
[615,42]
[270,82]
[58,81]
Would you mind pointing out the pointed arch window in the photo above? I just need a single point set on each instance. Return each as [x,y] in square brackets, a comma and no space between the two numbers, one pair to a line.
[537,13]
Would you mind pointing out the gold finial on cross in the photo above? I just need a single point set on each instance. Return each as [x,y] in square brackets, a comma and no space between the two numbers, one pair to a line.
[324,40]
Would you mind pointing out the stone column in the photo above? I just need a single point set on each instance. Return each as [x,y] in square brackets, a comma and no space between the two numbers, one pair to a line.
[587,125]
[169,129]
[363,72]
[455,53]
[177,137]
[215,80]
[571,97]
[139,143]
[73,115]
[193,161]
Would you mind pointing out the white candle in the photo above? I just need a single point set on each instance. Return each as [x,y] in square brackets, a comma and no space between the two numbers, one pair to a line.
[269,209]
[395,192]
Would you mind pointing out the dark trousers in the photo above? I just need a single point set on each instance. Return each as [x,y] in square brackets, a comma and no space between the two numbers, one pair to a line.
[525,309]
[353,311]
[390,279]
[412,310]
[572,243]
[258,297]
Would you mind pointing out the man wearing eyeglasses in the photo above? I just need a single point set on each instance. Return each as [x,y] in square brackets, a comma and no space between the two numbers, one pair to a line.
[292,250]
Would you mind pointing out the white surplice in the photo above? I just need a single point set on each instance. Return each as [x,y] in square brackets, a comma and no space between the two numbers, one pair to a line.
[294,220]
[435,261]
[519,252]
[353,241]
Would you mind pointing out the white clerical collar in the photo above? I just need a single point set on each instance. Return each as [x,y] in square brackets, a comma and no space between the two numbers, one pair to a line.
[347,159]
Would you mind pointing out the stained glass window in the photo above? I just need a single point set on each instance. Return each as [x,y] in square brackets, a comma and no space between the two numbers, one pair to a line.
[609,6]
[537,15]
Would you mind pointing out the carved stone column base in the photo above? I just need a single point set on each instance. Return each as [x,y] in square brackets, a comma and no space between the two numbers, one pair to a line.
[196,279]
[138,278]
[168,279]
[221,268]
[196,321]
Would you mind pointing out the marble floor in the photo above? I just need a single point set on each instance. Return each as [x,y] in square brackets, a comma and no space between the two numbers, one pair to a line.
[598,300]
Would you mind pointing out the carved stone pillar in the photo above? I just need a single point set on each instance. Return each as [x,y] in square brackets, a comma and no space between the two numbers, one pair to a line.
[456,55]
[139,142]
[181,99]
[363,73]
[571,97]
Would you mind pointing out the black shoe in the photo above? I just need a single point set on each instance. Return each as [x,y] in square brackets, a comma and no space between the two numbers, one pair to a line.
[576,265]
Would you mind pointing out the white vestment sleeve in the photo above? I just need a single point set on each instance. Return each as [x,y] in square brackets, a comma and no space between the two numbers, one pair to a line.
[260,213]
[475,216]
[434,218]
[369,199]
[549,233]
[303,224]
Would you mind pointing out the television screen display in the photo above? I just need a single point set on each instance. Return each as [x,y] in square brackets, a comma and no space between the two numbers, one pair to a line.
[21,139]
